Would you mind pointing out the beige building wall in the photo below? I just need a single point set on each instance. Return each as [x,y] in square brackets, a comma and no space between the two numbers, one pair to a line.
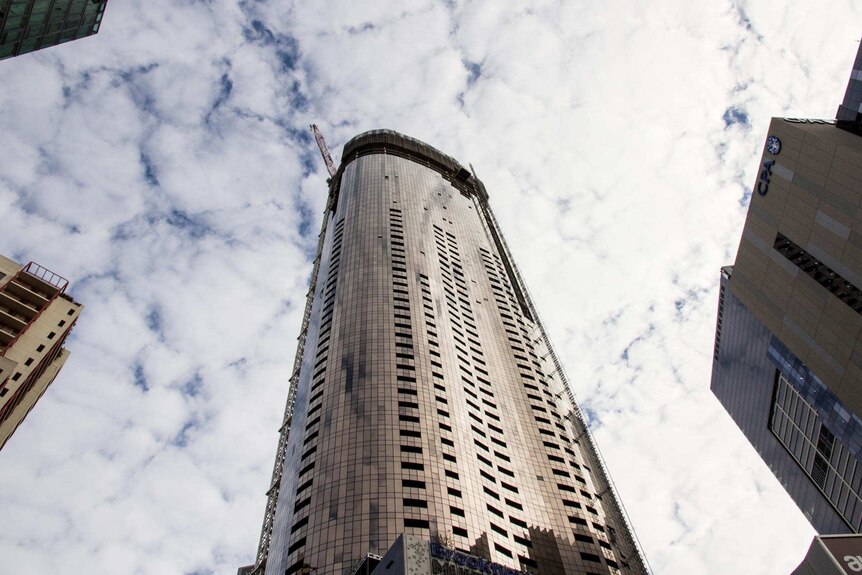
[35,319]
[812,194]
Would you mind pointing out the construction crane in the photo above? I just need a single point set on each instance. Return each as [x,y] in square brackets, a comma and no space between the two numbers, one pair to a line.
[324,151]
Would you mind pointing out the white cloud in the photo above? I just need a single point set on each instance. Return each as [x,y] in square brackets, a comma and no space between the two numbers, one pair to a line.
[163,166]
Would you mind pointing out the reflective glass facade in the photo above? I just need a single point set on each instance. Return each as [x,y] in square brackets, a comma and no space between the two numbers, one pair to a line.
[27,25]
[830,465]
[769,393]
[846,426]
[426,398]
[849,115]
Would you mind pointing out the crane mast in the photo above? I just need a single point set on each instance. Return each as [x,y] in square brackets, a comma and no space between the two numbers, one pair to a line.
[324,150]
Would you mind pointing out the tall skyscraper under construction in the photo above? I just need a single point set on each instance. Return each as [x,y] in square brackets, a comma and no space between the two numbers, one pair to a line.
[426,399]
[788,341]
[28,25]
[36,316]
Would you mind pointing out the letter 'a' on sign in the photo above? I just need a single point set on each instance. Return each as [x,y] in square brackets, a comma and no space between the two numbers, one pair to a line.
[854,563]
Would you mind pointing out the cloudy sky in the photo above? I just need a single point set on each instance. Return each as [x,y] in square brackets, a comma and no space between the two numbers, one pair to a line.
[166,168]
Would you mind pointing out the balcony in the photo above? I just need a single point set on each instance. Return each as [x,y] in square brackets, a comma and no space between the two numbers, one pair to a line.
[12,321]
[7,336]
[15,290]
[15,307]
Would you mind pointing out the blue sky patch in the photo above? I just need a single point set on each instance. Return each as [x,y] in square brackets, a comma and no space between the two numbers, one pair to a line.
[735,115]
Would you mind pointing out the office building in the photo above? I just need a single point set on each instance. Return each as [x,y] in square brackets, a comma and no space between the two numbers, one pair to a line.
[788,354]
[28,25]
[36,316]
[426,399]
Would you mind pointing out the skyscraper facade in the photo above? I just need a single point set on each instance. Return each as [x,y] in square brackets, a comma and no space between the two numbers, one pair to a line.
[426,398]
[28,25]
[849,116]
[36,316]
[787,361]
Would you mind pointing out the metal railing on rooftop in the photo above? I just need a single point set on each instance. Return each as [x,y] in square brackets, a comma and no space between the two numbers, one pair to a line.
[46,276]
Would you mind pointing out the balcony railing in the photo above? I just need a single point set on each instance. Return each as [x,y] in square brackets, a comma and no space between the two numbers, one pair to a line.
[47,276]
